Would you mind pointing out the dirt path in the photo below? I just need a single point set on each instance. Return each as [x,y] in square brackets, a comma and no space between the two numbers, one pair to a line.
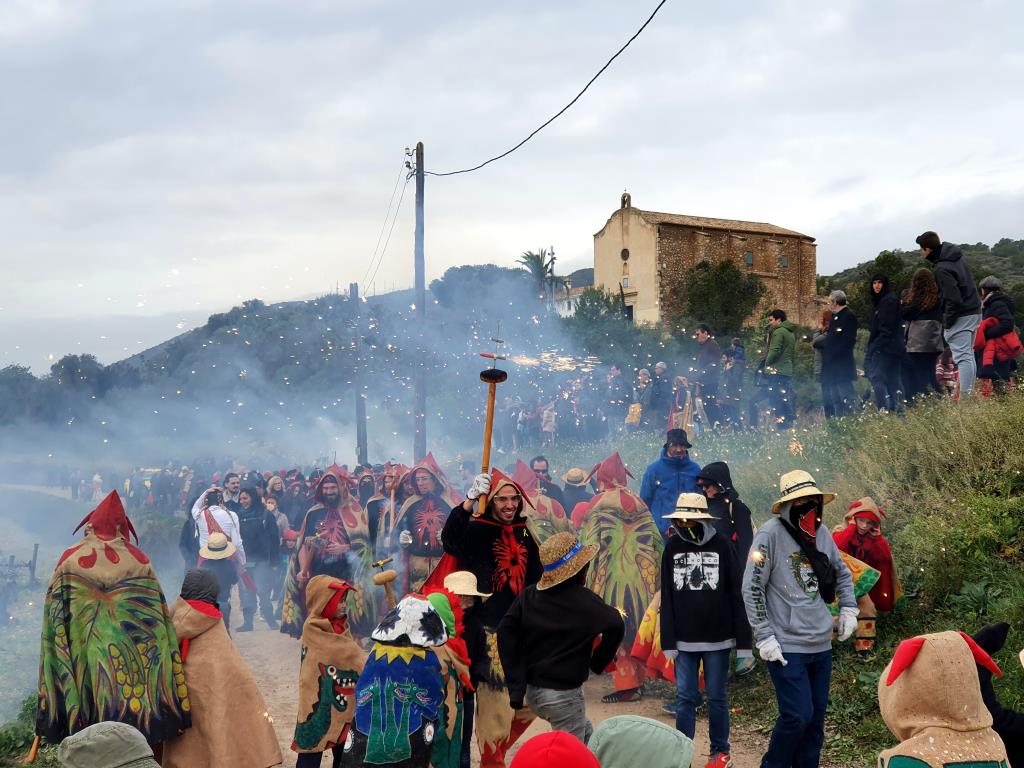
[274,660]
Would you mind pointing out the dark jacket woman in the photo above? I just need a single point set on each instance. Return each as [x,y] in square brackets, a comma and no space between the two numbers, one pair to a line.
[837,364]
[260,533]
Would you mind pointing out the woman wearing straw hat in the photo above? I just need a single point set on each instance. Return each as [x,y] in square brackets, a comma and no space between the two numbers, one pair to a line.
[546,639]
[792,575]
[702,618]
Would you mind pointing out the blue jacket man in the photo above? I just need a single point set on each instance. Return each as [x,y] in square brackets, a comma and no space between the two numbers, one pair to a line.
[673,473]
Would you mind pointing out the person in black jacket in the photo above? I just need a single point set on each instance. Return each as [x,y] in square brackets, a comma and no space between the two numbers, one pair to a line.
[995,303]
[920,311]
[1007,723]
[838,369]
[702,618]
[885,346]
[961,305]
[261,537]
[547,638]
[732,520]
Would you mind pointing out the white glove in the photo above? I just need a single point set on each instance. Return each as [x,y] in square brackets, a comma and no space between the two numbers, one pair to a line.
[770,650]
[847,623]
[481,485]
[670,655]
[405,538]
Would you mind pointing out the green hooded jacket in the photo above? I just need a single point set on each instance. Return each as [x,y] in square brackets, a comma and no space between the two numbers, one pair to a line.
[782,350]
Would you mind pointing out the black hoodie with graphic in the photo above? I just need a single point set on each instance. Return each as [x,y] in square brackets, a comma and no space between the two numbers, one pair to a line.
[956,284]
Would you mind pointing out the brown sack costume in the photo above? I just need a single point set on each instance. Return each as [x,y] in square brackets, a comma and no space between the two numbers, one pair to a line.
[930,698]
[230,724]
[331,663]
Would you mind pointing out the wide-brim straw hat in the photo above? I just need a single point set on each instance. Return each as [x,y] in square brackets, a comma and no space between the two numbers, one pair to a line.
[464,583]
[796,485]
[575,476]
[562,557]
[218,547]
[690,506]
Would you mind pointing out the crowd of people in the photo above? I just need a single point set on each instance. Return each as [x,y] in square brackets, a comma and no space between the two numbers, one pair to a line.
[433,613]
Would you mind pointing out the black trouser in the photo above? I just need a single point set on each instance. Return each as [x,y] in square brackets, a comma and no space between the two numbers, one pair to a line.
[312,759]
[884,375]
[468,705]
[919,374]
[839,396]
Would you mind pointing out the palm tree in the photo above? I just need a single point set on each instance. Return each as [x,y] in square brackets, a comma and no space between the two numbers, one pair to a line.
[541,267]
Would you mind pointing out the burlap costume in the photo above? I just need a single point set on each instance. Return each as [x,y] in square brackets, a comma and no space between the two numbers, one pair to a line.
[331,663]
[930,698]
[230,724]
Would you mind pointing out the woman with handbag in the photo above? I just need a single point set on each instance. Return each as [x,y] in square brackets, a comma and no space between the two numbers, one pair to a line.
[921,311]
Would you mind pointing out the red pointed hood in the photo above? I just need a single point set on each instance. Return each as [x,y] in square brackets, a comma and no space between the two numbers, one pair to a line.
[610,473]
[498,481]
[108,520]
[344,481]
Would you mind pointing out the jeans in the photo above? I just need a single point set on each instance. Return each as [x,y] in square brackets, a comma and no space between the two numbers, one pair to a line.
[263,575]
[840,397]
[716,673]
[801,690]
[564,710]
[960,339]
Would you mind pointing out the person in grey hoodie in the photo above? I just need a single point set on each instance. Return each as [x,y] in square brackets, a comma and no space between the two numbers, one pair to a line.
[792,575]
[961,305]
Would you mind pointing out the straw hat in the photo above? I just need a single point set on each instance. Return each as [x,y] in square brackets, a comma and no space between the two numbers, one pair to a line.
[563,556]
[464,583]
[690,506]
[797,484]
[575,476]
[218,547]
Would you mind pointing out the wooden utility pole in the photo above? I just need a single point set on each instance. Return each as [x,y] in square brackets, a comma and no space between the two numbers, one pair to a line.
[362,455]
[419,447]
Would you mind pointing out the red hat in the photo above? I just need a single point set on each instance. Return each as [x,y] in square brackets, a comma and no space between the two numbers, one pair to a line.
[290,535]
[867,509]
[555,749]
[108,520]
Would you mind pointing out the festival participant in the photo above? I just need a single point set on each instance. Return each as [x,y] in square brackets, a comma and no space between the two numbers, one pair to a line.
[794,572]
[331,664]
[288,541]
[732,520]
[495,545]
[625,572]
[930,698]
[555,749]
[366,485]
[221,689]
[540,467]
[455,679]
[674,472]
[862,539]
[548,516]
[106,745]
[262,538]
[575,490]
[217,557]
[399,693]
[108,650]
[334,541]
[378,508]
[555,634]
[630,740]
[702,618]
[420,519]
[1007,723]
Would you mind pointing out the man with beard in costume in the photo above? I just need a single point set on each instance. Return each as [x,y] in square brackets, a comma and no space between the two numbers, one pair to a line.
[108,648]
[378,509]
[497,547]
[334,540]
[627,569]
[419,522]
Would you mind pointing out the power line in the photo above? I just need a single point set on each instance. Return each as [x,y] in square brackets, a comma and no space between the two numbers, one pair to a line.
[383,226]
[564,109]
[398,208]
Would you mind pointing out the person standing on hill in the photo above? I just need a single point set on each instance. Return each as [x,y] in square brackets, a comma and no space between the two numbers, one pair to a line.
[996,326]
[885,345]
[777,367]
[961,305]
[674,472]
[838,369]
[920,311]
[709,369]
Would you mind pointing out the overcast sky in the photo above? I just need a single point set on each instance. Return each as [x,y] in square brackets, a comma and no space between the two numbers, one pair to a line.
[161,161]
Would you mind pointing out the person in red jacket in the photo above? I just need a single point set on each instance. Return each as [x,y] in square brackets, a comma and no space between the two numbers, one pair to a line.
[862,538]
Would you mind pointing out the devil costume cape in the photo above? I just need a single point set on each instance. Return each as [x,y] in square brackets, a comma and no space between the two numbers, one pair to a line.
[345,524]
[399,693]
[108,648]
[548,516]
[626,571]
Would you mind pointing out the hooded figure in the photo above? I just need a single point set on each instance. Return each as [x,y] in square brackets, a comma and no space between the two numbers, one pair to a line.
[108,649]
[382,506]
[885,344]
[331,663]
[1008,723]
[230,726]
[625,572]
[399,693]
[673,473]
[334,541]
[498,548]
[548,516]
[930,698]
[454,658]
[420,519]
[867,543]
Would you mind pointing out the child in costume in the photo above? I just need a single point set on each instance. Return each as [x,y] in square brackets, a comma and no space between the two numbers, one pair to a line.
[331,663]
[862,539]
[230,725]
[702,618]
[930,698]
[399,693]
[454,658]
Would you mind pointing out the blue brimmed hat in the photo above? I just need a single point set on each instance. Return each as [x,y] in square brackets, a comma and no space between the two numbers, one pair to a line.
[563,556]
